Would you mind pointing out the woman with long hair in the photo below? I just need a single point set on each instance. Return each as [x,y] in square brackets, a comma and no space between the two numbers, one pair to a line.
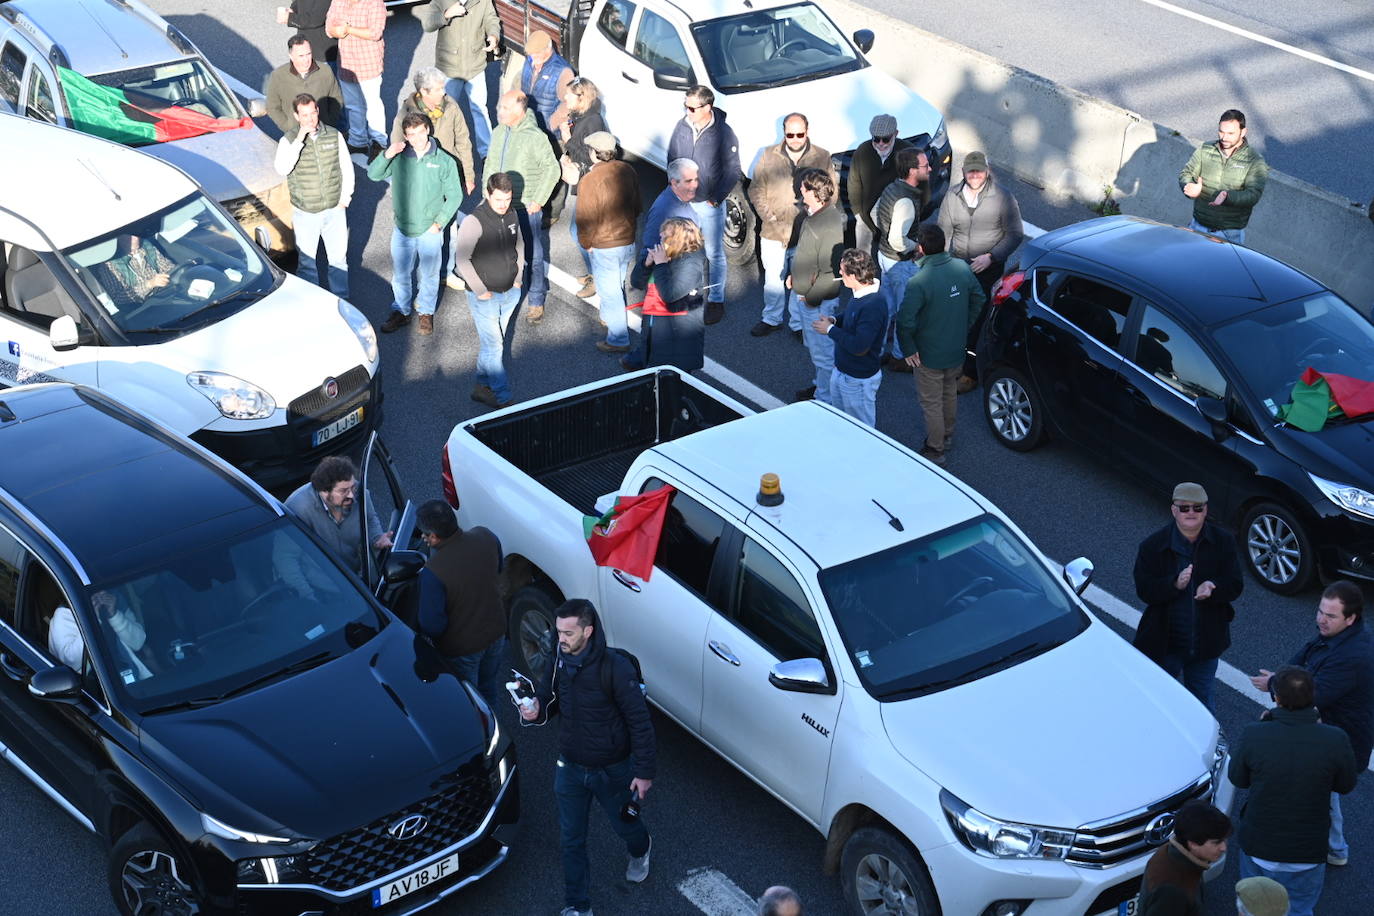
[673,333]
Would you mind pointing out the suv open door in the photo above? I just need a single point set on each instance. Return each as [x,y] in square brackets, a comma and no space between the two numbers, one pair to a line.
[390,571]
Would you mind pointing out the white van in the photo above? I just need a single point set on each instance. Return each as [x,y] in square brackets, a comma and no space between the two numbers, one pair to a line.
[119,272]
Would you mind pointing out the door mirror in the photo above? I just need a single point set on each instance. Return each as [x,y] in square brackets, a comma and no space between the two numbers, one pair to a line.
[1078,573]
[1213,410]
[263,237]
[673,81]
[402,566]
[863,39]
[257,107]
[60,684]
[802,675]
[63,333]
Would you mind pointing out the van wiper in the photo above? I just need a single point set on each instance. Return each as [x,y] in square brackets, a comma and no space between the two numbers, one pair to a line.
[252,296]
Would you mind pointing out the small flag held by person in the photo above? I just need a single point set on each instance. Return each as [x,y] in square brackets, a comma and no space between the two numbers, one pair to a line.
[627,536]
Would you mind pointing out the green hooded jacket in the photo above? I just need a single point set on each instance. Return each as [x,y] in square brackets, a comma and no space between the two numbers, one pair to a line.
[524,153]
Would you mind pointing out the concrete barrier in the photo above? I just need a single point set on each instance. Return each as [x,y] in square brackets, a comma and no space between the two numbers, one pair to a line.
[1075,146]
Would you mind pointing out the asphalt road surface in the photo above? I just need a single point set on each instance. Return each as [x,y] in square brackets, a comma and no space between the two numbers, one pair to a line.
[719,838]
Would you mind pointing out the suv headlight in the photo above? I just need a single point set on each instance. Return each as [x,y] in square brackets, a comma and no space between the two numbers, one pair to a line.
[367,335]
[235,398]
[996,839]
[273,870]
[221,829]
[488,717]
[1352,499]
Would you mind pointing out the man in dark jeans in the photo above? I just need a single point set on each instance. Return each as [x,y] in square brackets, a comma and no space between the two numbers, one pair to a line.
[605,747]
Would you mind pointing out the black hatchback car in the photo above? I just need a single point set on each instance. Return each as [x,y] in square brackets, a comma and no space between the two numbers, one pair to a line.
[1170,354]
[241,746]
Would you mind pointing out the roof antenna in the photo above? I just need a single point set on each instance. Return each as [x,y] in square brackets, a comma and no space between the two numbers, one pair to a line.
[892,520]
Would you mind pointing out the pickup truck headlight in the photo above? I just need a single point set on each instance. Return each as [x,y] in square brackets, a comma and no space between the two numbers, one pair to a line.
[367,335]
[235,398]
[1352,499]
[221,829]
[987,836]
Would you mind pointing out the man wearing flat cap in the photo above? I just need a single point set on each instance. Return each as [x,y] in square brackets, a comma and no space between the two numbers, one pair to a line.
[1261,896]
[608,208]
[1188,573]
[871,169]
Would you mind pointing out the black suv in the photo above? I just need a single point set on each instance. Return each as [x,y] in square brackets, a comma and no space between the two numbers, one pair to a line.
[1170,354]
[241,746]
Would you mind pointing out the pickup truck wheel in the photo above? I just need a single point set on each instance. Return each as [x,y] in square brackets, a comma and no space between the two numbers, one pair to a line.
[532,629]
[741,243]
[148,879]
[1014,415]
[1277,549]
[882,877]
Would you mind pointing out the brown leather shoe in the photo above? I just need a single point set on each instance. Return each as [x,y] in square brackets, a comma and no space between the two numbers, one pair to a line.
[588,288]
[715,311]
[966,384]
[426,327]
[394,322]
[534,314]
[606,347]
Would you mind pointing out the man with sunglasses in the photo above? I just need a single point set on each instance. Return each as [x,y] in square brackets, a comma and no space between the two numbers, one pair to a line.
[1188,573]
[872,168]
[703,137]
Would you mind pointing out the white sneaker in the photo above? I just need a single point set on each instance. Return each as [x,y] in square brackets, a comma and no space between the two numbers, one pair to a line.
[453,281]
[1333,859]
[638,869]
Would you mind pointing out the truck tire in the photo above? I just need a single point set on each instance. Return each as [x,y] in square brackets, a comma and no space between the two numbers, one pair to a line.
[147,876]
[741,228]
[883,877]
[532,632]
[1276,549]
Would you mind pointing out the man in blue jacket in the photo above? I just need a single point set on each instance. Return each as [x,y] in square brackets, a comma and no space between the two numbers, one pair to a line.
[1341,659]
[703,136]
[857,333]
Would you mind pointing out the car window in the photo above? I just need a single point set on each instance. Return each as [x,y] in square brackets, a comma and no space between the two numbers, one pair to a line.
[169,101]
[12,62]
[11,561]
[31,293]
[658,45]
[770,605]
[1094,308]
[1173,356]
[614,21]
[40,103]
[687,547]
[773,47]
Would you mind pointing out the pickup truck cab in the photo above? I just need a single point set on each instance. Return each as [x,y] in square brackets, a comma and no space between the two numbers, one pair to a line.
[884,651]
[763,59]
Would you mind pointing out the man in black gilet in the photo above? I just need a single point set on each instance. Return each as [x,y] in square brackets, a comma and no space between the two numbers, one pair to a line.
[490,254]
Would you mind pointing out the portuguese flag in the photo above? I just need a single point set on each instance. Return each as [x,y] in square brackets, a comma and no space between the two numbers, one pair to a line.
[626,538]
[109,113]
[1322,396]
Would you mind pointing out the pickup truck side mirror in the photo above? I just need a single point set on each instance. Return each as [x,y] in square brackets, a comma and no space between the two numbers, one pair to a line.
[674,81]
[801,675]
[864,40]
[60,684]
[1213,410]
[402,566]
[1078,573]
[63,333]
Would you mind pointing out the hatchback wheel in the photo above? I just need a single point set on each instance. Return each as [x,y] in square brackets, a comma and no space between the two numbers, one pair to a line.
[148,879]
[1277,550]
[882,877]
[1012,411]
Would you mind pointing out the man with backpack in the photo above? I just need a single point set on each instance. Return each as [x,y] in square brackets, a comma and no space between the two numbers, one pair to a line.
[605,746]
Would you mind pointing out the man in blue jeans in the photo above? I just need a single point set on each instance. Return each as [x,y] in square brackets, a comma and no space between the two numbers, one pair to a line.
[703,136]
[490,254]
[605,747]
[607,215]
[424,198]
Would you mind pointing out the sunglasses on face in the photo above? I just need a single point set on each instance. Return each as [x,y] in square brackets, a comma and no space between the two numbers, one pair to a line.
[887,139]
[692,107]
[795,136]
[1186,507]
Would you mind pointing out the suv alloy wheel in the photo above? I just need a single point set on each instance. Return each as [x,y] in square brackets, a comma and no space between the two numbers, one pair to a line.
[148,879]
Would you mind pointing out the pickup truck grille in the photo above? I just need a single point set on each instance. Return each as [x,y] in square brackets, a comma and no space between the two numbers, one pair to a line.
[1106,843]
[350,859]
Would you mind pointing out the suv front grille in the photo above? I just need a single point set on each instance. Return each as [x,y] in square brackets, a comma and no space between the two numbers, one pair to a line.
[351,384]
[370,852]
[1106,843]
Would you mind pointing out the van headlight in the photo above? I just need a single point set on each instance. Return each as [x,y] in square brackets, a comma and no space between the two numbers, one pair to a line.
[1353,499]
[232,396]
[362,328]
[987,836]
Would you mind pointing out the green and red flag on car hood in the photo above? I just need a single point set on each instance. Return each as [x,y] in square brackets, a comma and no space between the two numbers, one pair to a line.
[627,536]
[109,113]
[1322,396]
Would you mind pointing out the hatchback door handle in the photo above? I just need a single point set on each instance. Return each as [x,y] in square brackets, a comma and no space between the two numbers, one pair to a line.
[628,77]
[724,652]
[625,580]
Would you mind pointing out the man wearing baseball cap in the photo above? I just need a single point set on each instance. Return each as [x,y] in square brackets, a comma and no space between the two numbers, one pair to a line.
[871,169]
[608,208]
[1188,573]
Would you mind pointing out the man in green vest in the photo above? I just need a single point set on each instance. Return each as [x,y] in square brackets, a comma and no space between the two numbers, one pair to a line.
[319,175]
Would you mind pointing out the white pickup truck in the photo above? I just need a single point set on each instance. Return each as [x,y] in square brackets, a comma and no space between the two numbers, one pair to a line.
[763,59]
[884,652]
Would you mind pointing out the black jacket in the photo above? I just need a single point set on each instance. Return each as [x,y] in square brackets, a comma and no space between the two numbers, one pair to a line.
[716,153]
[1343,668]
[599,729]
[1291,764]
[1157,565]
[1171,885]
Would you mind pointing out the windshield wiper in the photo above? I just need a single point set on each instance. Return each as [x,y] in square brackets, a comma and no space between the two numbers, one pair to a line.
[195,703]
[252,296]
[1007,660]
[304,664]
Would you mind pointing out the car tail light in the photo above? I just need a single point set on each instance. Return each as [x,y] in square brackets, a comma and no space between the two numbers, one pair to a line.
[1007,285]
[446,479]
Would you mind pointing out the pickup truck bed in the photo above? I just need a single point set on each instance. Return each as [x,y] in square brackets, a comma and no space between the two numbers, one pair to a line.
[581,447]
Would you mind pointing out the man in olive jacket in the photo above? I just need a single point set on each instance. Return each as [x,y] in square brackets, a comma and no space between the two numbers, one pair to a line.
[302,74]
[468,31]
[1188,573]
[814,277]
[1225,179]
[940,304]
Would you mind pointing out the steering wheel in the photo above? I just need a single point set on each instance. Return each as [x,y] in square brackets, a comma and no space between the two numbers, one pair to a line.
[1322,346]
[253,610]
[785,45]
[967,590]
[190,103]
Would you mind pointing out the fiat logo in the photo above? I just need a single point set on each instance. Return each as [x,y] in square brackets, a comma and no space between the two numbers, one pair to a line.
[330,388]
[1159,829]
[408,828]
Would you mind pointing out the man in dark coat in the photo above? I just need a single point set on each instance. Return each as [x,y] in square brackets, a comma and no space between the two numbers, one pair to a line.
[1188,573]
[1173,879]
[1341,659]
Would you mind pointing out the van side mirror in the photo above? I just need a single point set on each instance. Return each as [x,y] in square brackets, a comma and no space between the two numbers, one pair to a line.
[63,333]
[1078,573]
[60,684]
[801,675]
[1213,410]
[864,40]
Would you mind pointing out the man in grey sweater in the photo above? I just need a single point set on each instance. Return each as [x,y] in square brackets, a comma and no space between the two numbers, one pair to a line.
[325,505]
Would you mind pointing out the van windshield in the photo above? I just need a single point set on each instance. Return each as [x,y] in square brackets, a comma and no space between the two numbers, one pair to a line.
[173,271]
[947,609]
[171,101]
[758,50]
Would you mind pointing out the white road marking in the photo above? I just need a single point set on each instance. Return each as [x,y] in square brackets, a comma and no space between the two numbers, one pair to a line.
[716,895]
[1262,39]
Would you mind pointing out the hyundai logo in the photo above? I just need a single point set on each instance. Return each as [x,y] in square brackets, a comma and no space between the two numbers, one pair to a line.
[408,828]
[1159,829]
[330,388]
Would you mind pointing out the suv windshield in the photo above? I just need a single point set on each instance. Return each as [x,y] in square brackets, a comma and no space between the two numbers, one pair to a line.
[173,271]
[163,102]
[766,48]
[226,618]
[947,609]
[1274,346]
